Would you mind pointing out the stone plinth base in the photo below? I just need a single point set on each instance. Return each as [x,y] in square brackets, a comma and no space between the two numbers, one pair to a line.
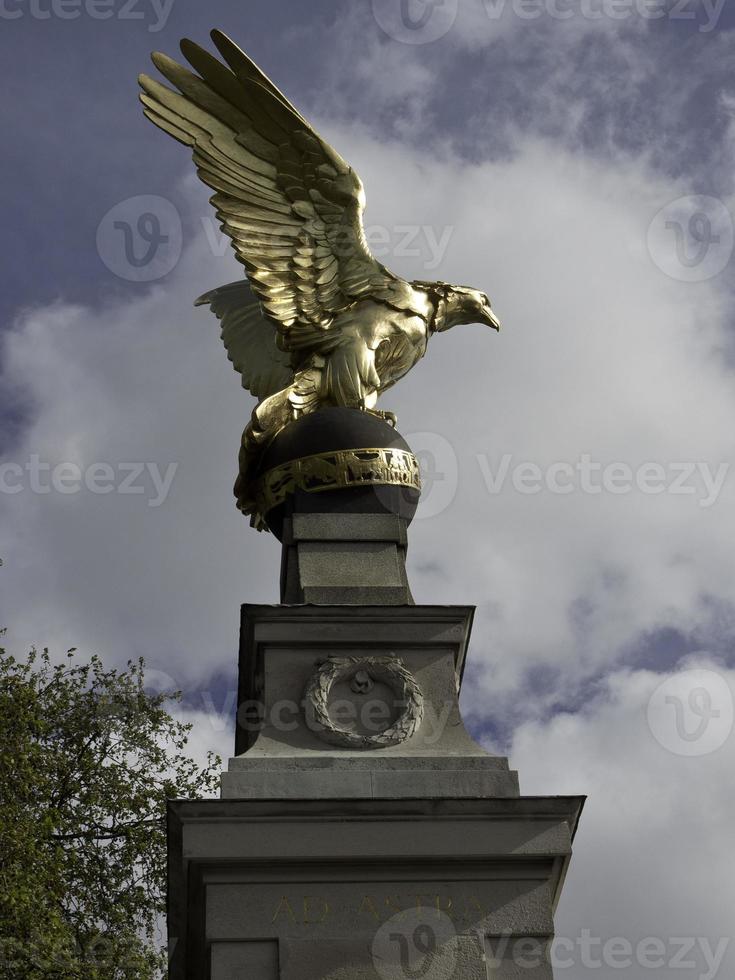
[357,701]
[362,833]
[365,889]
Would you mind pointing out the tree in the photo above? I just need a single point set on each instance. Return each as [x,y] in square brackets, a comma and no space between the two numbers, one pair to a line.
[88,759]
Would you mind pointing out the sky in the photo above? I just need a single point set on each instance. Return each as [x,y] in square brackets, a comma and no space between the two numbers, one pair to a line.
[573,158]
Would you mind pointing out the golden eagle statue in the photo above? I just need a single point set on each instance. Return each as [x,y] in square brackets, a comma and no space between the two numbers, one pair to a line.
[318,322]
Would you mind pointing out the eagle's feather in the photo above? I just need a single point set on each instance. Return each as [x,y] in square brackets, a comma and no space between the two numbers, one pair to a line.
[249,339]
[290,204]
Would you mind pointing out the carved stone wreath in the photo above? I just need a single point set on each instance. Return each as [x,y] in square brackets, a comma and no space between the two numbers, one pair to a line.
[391,671]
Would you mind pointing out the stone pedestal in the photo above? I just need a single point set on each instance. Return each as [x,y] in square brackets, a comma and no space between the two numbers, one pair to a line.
[361,832]
[366,889]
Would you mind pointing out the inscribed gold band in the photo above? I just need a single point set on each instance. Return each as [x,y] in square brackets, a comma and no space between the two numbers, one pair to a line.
[336,470]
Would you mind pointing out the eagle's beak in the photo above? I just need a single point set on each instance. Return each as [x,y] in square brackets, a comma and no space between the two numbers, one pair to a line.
[491,320]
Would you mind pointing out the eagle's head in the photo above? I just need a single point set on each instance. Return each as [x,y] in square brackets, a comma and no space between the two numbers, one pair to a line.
[461,304]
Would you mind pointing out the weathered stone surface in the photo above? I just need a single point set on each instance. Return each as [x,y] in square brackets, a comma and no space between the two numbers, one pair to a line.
[362,845]
[338,886]
[244,960]
[356,559]
[461,958]
[517,957]
[284,749]
[325,784]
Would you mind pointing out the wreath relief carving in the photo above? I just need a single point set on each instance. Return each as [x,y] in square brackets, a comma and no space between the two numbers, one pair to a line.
[363,673]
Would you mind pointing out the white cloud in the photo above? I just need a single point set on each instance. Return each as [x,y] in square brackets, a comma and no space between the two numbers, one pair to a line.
[139,380]
[648,858]
[210,732]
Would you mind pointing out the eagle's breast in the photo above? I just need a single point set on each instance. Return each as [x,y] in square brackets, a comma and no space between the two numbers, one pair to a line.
[403,343]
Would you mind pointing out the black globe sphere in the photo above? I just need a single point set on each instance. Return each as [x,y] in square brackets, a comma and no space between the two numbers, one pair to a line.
[325,431]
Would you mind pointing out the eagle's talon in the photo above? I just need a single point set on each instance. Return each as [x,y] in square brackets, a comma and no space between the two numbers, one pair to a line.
[390,417]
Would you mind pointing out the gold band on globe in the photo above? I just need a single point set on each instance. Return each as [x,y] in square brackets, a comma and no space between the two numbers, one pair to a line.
[335,470]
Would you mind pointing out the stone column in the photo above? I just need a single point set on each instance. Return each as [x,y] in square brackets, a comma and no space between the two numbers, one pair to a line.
[361,834]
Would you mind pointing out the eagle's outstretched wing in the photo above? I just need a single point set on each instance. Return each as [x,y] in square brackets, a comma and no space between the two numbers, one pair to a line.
[249,339]
[289,202]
